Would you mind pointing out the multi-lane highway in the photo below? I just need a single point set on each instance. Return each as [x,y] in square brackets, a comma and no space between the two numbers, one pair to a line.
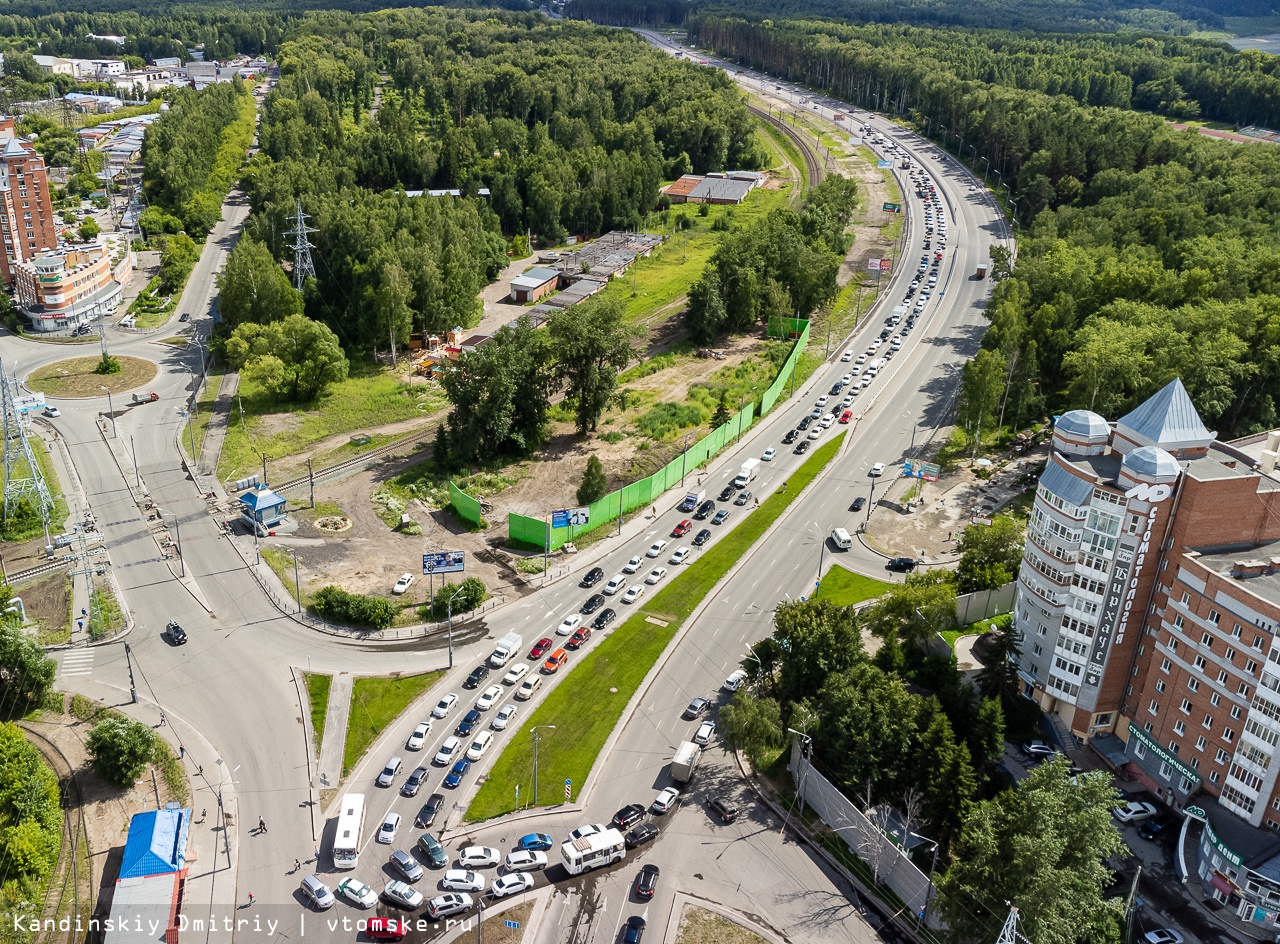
[232,692]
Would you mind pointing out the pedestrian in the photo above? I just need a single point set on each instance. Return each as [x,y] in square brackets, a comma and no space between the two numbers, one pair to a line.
[203,813]
[296,865]
[250,898]
[182,751]
[317,858]
[262,825]
[163,722]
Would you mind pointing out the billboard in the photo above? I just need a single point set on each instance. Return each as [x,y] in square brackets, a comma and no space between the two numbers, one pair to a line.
[873,265]
[446,562]
[28,403]
[570,518]
[886,265]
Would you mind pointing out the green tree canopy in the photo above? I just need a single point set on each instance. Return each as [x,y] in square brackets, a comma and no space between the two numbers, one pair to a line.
[253,288]
[26,673]
[594,483]
[30,810]
[295,359]
[592,344]
[753,724]
[989,554]
[924,604]
[121,749]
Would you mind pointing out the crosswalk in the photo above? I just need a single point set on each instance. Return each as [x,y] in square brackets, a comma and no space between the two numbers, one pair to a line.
[79,662]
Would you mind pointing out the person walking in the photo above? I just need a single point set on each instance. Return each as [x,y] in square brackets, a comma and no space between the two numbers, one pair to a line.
[297,866]
[262,825]
[250,898]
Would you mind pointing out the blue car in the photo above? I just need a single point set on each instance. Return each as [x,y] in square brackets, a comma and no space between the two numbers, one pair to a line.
[535,842]
[468,723]
[459,771]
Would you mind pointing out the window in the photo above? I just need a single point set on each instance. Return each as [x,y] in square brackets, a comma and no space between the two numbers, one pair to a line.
[1177,621]
[1165,770]
[1214,617]
[1179,729]
[1193,685]
[1251,667]
[1227,734]
[1185,784]
[1199,663]
[1222,673]
[1195,765]
[1186,598]
[1235,712]
[1174,747]
[1165,666]
[1221,757]
[1185,707]
[1139,749]
[1214,777]
[1262,732]
[1236,629]
[1214,699]
[1200,742]
[1243,690]
[1173,644]
[1208,721]
[1207,641]
[1154,707]
[1257,643]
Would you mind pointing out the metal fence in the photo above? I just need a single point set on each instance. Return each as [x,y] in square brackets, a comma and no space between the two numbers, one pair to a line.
[984,604]
[468,508]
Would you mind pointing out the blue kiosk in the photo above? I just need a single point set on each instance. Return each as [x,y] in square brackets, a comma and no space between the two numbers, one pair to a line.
[261,509]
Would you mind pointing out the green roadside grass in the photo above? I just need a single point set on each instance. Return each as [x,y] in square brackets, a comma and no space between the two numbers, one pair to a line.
[318,694]
[845,588]
[611,672]
[375,703]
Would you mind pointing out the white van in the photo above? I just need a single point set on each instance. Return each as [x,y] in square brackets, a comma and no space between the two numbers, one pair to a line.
[614,585]
[841,538]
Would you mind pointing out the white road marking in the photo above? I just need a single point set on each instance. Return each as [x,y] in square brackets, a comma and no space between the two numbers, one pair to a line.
[78,663]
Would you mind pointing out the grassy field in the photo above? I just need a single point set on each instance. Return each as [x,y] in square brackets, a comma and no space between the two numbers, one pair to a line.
[375,703]
[204,412]
[281,561]
[318,695]
[700,926]
[370,397]
[845,588]
[75,377]
[24,529]
[609,674]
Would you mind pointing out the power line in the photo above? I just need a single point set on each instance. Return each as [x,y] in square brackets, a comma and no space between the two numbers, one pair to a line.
[302,264]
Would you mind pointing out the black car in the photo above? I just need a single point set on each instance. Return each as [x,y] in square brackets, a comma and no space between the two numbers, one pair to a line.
[604,618]
[185,316]
[804,423]
[836,388]
[646,881]
[802,447]
[884,335]
[414,781]
[468,723]
[1158,825]
[594,602]
[177,635]
[706,508]
[702,537]
[724,809]
[478,675]
[788,439]
[904,564]
[627,817]
[634,931]
[645,832]
[592,577]
[726,493]
[427,815]
[858,504]
[430,846]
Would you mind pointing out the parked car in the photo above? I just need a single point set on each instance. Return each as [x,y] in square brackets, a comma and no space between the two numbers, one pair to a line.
[735,680]
[1135,811]
[1160,935]
[403,584]
[724,808]
[1159,825]
[1038,750]
[695,708]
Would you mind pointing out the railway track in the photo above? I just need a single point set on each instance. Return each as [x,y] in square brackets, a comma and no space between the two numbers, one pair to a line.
[356,462]
[813,164]
[21,575]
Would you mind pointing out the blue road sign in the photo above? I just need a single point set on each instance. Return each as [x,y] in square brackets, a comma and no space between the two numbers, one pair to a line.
[511,924]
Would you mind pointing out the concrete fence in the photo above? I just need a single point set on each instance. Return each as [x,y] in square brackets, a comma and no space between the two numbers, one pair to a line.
[984,604]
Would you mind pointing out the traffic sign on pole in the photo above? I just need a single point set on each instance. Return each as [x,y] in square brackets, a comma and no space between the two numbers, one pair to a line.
[568,789]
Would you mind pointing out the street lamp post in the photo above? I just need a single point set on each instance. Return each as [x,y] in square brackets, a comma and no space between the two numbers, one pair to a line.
[806,744]
[112,410]
[177,530]
[534,731]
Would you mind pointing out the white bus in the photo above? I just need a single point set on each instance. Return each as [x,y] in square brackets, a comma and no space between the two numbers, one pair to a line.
[592,852]
[346,841]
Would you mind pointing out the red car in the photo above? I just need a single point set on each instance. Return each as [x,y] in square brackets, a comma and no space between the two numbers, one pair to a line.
[681,529]
[579,638]
[846,416]
[387,929]
[540,648]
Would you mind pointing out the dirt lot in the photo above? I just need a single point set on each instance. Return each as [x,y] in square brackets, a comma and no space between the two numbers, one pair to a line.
[48,603]
[699,926]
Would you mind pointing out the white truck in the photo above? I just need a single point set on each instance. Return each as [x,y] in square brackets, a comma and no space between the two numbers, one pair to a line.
[874,367]
[685,761]
[750,469]
[506,649]
[898,313]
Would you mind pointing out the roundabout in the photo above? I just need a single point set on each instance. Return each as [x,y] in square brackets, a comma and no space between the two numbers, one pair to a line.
[77,377]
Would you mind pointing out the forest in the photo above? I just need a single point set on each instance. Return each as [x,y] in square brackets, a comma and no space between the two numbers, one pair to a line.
[1145,252]
[571,128]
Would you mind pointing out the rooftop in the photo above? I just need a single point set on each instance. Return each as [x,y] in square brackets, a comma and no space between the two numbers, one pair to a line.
[1261,562]
[156,844]
[1259,848]
[1168,418]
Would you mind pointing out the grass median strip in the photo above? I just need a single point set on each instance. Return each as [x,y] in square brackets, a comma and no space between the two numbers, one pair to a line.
[845,588]
[376,703]
[586,706]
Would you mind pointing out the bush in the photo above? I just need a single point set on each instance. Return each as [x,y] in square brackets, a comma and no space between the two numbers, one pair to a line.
[352,609]
[108,365]
[121,749]
[666,419]
[464,596]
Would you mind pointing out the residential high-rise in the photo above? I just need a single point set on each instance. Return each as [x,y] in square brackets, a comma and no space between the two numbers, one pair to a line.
[27,224]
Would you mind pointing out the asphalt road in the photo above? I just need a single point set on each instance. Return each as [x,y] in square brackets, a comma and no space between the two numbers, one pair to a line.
[232,696]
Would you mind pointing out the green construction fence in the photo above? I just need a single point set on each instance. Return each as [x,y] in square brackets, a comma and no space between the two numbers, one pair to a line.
[607,510]
[468,508]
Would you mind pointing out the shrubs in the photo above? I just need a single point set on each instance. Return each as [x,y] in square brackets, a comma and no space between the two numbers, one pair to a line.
[121,749]
[456,598]
[352,609]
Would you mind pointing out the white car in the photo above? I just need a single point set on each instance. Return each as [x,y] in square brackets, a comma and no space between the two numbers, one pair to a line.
[706,731]
[402,894]
[418,737]
[479,746]
[877,470]
[827,421]
[655,575]
[664,800]
[504,715]
[390,826]
[442,906]
[634,593]
[972,188]
[569,625]
[511,884]
[769,454]
[526,860]
[403,584]
[489,696]
[680,556]
[734,681]
[478,857]
[846,356]
[1159,935]
[444,706]
[588,830]
[1135,811]
[822,400]
[847,379]
[862,359]
[633,565]
[462,880]
[447,752]
[52,412]
[816,432]
[656,548]
[357,892]
[515,675]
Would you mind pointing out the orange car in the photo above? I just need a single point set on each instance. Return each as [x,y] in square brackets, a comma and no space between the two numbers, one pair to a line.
[554,661]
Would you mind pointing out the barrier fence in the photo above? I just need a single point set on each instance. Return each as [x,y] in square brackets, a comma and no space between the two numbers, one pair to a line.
[607,510]
[467,507]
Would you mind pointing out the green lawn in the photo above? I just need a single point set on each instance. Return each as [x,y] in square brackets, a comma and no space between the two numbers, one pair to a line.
[204,412]
[375,703]
[281,561]
[318,694]
[845,588]
[607,677]
[370,397]
[24,528]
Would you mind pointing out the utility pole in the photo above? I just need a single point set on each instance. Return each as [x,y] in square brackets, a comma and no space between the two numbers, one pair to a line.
[137,478]
[534,731]
[311,479]
[1129,906]
[133,689]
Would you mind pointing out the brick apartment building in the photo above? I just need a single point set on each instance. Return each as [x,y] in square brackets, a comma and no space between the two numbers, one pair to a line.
[1148,602]
[27,225]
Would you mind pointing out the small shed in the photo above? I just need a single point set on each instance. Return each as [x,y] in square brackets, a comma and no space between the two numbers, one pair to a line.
[537,283]
[261,507]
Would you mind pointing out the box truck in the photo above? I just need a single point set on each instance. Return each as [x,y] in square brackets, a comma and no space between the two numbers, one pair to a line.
[685,761]
[750,469]
[693,500]
[506,649]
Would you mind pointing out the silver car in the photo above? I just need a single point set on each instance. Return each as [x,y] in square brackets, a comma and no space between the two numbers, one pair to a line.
[406,865]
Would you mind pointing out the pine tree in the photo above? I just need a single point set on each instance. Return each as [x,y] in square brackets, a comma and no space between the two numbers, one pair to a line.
[594,483]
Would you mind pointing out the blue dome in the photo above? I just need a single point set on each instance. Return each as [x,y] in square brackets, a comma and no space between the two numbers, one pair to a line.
[1082,424]
[1152,462]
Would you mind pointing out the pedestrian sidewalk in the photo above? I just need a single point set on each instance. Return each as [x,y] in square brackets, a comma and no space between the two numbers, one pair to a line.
[336,718]
[216,432]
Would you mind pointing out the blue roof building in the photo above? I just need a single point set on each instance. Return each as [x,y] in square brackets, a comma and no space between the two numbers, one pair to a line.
[156,843]
[261,508]
[146,900]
